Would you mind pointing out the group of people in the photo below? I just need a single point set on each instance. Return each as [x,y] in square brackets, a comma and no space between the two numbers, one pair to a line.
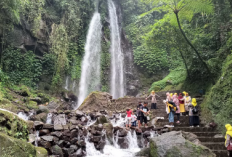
[179,105]
[142,115]
[182,105]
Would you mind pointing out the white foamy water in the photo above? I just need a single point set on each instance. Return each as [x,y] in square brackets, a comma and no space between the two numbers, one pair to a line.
[23,115]
[114,150]
[117,88]
[90,68]
[37,138]
[49,118]
[118,121]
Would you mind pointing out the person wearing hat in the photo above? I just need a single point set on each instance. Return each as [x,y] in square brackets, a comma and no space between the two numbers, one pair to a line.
[196,120]
[171,106]
[228,142]
[187,102]
[153,99]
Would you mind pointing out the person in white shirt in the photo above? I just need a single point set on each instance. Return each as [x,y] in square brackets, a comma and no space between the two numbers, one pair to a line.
[133,119]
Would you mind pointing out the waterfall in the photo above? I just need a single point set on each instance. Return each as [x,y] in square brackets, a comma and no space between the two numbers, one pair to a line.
[49,118]
[66,83]
[90,68]
[117,75]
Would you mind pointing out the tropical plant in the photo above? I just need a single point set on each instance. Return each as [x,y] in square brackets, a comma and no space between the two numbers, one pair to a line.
[183,10]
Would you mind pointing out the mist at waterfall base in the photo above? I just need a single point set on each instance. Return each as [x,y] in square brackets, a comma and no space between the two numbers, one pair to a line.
[90,69]
[117,60]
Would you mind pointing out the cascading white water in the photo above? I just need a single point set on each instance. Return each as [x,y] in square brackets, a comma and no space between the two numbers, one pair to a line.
[117,59]
[90,69]
[37,138]
[66,83]
[23,115]
[118,121]
[49,118]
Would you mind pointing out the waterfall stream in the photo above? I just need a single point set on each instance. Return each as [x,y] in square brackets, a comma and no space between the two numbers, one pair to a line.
[117,58]
[90,69]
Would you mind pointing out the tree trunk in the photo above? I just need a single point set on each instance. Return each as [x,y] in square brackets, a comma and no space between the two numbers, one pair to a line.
[185,63]
[198,54]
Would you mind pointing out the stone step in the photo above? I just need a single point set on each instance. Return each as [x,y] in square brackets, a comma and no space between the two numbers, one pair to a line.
[205,134]
[220,153]
[214,145]
[194,129]
[175,124]
[183,119]
[211,139]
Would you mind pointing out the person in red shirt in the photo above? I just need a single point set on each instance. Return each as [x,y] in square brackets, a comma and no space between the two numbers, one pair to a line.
[128,118]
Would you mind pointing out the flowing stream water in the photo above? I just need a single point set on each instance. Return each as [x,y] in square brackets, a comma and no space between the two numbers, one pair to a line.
[117,59]
[90,69]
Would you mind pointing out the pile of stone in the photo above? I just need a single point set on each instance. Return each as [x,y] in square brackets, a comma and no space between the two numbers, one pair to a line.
[68,133]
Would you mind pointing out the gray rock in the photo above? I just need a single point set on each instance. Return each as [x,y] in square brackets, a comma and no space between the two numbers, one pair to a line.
[56,150]
[58,127]
[57,134]
[43,108]
[60,119]
[173,143]
[47,138]
[48,126]
[122,133]
[44,132]
[96,139]
[45,144]
[31,138]
[38,125]
[79,113]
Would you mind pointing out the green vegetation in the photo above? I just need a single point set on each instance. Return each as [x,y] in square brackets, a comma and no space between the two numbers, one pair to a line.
[11,147]
[175,78]
[14,126]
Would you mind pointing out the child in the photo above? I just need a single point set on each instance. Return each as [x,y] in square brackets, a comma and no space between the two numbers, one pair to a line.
[128,117]
[133,119]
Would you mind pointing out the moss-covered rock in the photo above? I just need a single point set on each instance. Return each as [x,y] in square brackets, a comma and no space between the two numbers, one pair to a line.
[41,152]
[11,147]
[32,105]
[173,144]
[95,101]
[13,126]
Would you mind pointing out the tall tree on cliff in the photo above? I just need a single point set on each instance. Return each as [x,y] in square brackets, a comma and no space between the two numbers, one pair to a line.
[183,10]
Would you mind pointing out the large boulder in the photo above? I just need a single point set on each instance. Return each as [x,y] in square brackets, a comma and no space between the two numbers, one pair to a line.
[96,101]
[10,146]
[12,125]
[173,144]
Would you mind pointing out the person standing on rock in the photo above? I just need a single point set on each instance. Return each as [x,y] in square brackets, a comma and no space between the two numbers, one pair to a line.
[128,118]
[139,113]
[145,112]
[181,101]
[228,142]
[153,99]
[133,119]
[176,101]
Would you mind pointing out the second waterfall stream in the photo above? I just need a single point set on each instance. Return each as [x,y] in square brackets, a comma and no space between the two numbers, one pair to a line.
[117,84]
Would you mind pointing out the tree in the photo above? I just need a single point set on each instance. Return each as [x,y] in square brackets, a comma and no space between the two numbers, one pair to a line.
[185,10]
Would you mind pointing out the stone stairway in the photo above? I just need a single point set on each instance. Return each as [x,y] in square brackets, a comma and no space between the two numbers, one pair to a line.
[205,135]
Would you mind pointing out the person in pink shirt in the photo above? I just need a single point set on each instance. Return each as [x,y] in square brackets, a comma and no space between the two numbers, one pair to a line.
[128,118]
[176,101]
